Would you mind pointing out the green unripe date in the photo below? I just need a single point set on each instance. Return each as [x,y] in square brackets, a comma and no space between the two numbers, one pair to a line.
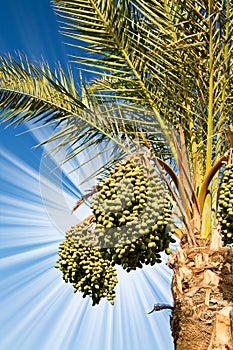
[225,205]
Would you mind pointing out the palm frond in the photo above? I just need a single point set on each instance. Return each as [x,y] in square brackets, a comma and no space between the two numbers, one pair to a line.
[35,93]
[172,57]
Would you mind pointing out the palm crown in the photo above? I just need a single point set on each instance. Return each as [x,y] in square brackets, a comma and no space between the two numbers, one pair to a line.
[163,80]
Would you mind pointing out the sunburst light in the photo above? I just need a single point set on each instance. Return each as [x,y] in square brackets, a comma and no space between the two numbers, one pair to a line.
[40,311]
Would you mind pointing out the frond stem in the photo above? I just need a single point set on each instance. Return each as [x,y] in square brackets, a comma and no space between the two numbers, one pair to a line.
[211,92]
[209,176]
[176,182]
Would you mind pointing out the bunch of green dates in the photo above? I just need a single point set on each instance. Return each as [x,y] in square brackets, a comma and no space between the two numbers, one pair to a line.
[225,210]
[133,217]
[84,266]
[132,224]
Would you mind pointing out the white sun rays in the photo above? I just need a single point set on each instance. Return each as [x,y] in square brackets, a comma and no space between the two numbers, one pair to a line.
[38,310]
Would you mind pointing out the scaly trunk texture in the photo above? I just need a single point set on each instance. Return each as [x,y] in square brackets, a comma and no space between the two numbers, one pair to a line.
[202,288]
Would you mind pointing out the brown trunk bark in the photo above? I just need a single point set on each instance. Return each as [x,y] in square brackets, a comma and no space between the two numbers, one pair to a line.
[202,286]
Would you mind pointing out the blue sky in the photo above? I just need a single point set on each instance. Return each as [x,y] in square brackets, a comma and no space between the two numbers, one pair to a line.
[38,310]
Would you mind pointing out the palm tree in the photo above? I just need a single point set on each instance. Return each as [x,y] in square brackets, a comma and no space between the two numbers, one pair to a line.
[169,65]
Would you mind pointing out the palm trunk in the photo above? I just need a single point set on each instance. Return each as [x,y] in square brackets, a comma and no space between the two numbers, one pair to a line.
[202,288]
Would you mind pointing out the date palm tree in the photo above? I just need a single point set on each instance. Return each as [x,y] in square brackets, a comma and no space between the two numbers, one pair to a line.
[163,79]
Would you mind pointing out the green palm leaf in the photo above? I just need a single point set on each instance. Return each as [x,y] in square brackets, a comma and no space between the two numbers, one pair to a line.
[35,93]
[160,54]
